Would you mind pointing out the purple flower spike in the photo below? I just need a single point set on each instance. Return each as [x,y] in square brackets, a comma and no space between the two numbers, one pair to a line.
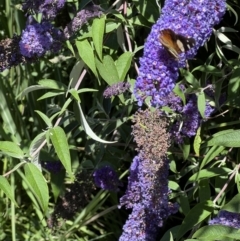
[38,38]
[147,192]
[227,219]
[158,69]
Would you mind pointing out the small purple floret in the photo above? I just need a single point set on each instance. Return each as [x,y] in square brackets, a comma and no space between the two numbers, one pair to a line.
[107,179]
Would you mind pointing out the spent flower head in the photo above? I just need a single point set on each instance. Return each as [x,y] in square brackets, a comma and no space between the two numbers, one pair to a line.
[116,89]
[147,191]
[10,54]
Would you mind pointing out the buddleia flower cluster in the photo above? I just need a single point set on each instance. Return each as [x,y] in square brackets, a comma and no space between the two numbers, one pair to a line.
[188,117]
[147,191]
[226,218]
[38,38]
[158,70]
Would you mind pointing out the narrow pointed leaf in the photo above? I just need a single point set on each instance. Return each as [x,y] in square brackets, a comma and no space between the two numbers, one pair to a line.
[50,94]
[52,84]
[234,205]
[59,141]
[74,94]
[88,129]
[197,142]
[216,232]
[44,118]
[123,64]
[97,34]
[201,102]
[208,173]
[7,189]
[29,90]
[211,154]
[35,144]
[196,215]
[108,70]
[37,184]
[227,139]
[86,53]
[11,149]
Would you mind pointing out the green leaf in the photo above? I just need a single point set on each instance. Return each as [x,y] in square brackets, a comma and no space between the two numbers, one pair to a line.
[197,142]
[52,84]
[110,26]
[11,149]
[44,118]
[184,204]
[172,231]
[59,141]
[7,189]
[57,183]
[173,185]
[201,102]
[87,128]
[209,69]
[234,205]
[97,34]
[30,89]
[204,190]
[35,144]
[66,104]
[237,181]
[190,79]
[123,64]
[108,70]
[186,149]
[216,232]
[50,94]
[75,74]
[208,173]
[178,91]
[37,184]
[74,94]
[233,88]
[121,37]
[193,240]
[86,90]
[148,10]
[86,53]
[211,154]
[196,215]
[227,139]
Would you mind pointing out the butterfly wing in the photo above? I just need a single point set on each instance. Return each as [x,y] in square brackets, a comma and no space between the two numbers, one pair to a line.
[175,43]
[185,43]
[169,41]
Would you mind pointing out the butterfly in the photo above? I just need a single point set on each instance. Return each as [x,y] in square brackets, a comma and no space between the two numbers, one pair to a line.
[175,43]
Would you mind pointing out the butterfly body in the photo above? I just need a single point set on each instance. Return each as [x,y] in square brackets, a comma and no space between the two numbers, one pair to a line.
[175,43]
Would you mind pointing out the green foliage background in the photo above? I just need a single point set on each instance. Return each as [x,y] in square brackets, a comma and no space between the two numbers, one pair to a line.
[54,109]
